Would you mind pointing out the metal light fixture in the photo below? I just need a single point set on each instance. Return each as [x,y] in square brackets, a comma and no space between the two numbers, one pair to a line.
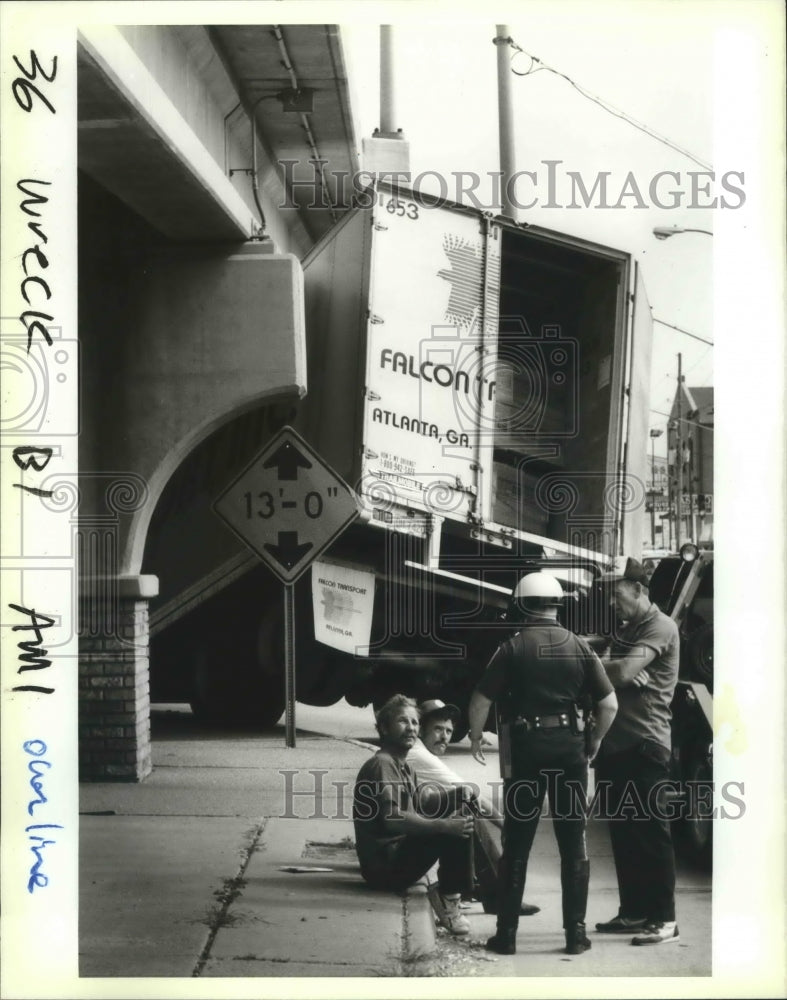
[664,232]
[301,99]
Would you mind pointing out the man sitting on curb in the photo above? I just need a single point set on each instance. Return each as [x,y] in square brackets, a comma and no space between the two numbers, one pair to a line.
[396,840]
[437,727]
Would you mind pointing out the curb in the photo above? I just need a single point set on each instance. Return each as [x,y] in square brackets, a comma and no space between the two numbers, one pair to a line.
[360,743]
[418,932]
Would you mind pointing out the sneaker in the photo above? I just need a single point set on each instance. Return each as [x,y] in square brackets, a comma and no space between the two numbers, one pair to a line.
[622,925]
[451,917]
[661,932]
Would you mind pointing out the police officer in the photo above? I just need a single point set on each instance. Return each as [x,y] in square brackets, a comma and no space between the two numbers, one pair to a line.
[538,679]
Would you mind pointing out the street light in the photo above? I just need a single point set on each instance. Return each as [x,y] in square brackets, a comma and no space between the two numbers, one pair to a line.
[654,433]
[664,232]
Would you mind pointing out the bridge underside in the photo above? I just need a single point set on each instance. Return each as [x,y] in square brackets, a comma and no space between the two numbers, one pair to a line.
[190,300]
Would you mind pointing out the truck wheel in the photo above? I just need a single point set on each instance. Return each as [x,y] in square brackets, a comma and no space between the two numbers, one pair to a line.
[320,679]
[271,708]
[227,695]
[699,649]
[327,688]
[697,826]
[460,730]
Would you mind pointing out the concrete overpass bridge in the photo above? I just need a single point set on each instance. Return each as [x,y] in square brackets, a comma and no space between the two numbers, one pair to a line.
[197,202]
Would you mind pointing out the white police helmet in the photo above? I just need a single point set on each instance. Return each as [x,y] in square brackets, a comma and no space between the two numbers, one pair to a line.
[542,588]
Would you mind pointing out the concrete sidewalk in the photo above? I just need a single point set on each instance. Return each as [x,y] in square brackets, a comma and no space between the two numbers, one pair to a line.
[186,875]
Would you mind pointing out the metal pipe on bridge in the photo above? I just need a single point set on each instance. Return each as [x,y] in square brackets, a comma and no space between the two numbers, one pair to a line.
[505,116]
[387,89]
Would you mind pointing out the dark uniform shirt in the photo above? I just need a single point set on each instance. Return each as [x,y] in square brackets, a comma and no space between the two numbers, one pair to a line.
[543,670]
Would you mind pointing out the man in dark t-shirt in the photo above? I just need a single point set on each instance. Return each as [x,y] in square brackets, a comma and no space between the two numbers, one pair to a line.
[397,839]
[642,664]
[537,679]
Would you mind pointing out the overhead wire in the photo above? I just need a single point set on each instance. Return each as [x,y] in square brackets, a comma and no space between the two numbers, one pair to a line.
[684,420]
[605,105]
[697,363]
[617,113]
[681,330]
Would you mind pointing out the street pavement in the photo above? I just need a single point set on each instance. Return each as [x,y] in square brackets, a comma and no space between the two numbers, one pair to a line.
[235,859]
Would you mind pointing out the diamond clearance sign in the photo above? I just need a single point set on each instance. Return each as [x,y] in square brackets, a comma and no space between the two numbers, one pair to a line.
[287,505]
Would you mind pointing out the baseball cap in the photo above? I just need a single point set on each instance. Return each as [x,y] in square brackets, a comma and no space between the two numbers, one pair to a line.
[435,707]
[625,568]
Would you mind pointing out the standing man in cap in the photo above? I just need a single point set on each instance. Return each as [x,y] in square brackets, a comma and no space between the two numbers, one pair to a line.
[437,727]
[538,678]
[642,665]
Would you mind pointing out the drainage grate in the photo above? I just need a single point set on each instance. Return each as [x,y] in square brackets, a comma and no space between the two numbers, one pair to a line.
[336,850]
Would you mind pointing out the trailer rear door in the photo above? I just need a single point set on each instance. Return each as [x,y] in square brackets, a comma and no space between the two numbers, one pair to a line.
[427,383]
[634,530]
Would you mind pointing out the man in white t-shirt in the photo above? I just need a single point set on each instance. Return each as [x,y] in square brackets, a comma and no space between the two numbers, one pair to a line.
[425,758]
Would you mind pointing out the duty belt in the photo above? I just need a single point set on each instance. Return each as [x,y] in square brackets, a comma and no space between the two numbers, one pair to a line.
[561,721]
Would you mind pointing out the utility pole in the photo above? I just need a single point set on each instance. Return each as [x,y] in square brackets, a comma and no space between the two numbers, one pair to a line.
[505,118]
[679,457]
[653,435]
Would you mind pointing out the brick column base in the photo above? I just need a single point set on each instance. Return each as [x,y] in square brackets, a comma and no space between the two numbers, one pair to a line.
[114,686]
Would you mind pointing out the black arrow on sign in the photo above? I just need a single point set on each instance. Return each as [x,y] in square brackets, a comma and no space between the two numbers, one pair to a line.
[287,458]
[287,551]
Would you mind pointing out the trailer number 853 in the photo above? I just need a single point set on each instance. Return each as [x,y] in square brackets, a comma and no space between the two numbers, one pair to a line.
[404,208]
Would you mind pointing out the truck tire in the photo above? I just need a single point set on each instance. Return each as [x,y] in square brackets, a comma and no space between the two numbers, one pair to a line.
[460,730]
[327,689]
[699,649]
[233,696]
[319,677]
[697,824]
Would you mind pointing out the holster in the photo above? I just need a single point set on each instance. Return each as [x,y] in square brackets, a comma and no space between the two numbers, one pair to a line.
[578,721]
[504,747]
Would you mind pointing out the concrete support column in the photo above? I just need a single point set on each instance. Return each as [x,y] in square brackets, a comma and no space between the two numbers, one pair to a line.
[114,683]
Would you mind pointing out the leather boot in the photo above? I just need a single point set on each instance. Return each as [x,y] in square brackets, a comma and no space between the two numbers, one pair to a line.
[574,879]
[486,859]
[510,888]
[489,904]
[577,940]
[503,942]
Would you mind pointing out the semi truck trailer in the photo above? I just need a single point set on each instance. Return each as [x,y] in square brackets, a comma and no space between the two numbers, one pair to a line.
[482,387]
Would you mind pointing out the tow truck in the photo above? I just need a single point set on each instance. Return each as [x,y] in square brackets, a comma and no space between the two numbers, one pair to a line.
[682,586]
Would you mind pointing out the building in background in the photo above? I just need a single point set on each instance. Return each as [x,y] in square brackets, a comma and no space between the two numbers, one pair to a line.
[690,457]
[658,503]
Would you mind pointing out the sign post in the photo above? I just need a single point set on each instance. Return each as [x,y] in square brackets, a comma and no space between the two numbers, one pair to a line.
[287,506]
[289,665]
